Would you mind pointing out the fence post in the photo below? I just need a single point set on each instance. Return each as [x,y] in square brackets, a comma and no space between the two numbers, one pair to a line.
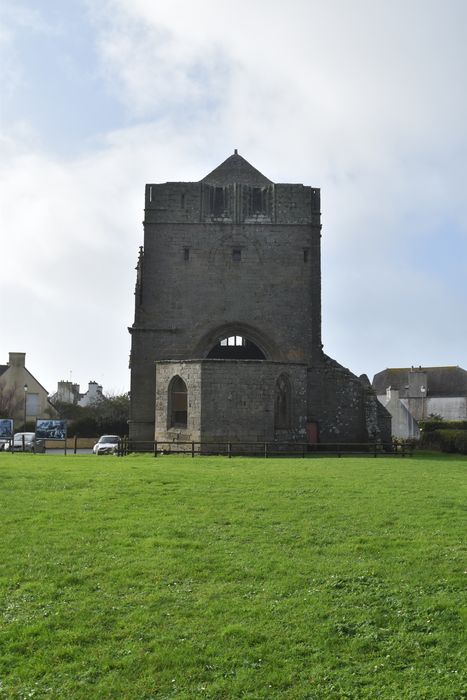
[155,448]
[192,448]
[229,449]
[265,449]
[76,444]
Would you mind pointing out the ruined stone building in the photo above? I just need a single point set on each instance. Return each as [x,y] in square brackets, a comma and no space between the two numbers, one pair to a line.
[226,340]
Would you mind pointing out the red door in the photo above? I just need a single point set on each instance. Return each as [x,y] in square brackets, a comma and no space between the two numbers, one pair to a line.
[312,433]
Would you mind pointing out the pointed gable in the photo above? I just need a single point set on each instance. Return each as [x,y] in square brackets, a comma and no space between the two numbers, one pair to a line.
[236,169]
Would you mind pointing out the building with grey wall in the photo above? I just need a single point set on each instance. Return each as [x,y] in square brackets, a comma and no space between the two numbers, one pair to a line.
[426,391]
[226,340]
[403,424]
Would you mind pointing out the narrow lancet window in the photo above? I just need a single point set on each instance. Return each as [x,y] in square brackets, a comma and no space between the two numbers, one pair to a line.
[282,404]
[178,403]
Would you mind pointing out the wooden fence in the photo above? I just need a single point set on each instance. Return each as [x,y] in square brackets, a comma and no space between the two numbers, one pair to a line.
[263,449]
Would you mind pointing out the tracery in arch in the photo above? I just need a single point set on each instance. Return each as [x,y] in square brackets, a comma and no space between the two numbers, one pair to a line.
[236,347]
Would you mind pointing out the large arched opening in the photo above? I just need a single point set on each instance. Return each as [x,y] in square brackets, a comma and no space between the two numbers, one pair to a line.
[237,341]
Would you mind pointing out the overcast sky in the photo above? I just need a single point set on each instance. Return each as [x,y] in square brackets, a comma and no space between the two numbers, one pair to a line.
[366,99]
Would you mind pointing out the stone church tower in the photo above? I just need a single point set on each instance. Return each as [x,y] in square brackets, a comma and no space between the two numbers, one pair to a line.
[226,342]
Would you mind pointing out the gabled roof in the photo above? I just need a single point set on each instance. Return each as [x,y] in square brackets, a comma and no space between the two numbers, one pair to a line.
[236,169]
[441,381]
[4,368]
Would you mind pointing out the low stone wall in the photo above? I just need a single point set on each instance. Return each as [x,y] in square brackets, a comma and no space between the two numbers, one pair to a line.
[82,443]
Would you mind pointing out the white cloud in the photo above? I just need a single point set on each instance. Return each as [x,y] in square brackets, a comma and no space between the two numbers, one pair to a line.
[364,100]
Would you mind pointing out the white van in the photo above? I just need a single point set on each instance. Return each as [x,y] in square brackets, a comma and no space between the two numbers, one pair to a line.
[26,442]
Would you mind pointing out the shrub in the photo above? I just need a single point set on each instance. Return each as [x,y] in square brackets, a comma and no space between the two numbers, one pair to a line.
[449,440]
[109,415]
[429,426]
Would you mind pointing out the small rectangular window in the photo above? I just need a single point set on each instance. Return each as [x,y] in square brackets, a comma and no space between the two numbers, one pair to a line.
[305,254]
[236,254]
[186,253]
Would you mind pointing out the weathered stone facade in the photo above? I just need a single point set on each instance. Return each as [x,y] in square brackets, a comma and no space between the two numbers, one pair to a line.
[228,306]
[231,398]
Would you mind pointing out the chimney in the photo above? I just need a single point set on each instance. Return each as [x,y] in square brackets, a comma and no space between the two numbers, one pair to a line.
[17,359]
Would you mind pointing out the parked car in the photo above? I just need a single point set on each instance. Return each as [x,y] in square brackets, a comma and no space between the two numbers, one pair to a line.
[106,445]
[27,442]
[4,444]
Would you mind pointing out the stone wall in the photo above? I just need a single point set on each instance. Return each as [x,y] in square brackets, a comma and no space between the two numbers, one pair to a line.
[337,402]
[191,290]
[193,202]
[231,400]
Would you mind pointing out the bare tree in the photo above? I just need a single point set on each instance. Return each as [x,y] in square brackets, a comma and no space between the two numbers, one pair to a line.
[10,401]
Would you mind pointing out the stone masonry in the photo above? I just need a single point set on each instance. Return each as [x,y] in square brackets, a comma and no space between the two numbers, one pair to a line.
[226,341]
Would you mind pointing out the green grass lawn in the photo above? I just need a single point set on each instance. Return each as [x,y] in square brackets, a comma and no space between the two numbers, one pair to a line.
[245,578]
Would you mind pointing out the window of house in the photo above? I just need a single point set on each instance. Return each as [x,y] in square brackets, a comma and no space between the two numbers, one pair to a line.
[236,254]
[178,403]
[186,253]
[32,404]
[306,254]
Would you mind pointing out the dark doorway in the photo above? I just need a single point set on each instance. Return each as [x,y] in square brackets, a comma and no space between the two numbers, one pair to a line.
[312,433]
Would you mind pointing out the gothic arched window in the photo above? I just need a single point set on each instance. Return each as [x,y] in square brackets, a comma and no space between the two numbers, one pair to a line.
[178,403]
[283,404]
